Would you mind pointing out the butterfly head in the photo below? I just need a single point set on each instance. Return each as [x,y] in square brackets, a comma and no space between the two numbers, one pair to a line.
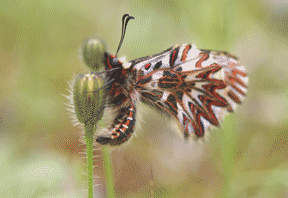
[113,64]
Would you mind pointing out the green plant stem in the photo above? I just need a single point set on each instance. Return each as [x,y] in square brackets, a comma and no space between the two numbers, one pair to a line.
[228,146]
[108,173]
[89,133]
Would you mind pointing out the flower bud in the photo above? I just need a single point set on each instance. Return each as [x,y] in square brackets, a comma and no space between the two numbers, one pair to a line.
[93,51]
[89,95]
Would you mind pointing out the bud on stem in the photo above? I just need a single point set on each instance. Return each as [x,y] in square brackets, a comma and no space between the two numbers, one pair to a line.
[93,51]
[89,97]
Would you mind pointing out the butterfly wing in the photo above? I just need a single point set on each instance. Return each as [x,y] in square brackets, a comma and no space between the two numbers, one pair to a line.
[198,87]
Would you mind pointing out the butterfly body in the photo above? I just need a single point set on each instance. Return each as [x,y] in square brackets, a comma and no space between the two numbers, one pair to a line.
[197,87]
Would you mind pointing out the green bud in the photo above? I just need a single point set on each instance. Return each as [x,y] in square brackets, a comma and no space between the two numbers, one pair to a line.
[93,51]
[89,95]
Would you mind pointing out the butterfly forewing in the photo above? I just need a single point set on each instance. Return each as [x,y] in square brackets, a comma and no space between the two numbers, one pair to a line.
[198,87]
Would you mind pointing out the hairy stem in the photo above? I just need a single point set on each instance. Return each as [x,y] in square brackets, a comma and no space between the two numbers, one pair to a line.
[108,172]
[89,132]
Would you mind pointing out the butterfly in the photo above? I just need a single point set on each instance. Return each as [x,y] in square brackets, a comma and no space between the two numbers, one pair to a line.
[197,87]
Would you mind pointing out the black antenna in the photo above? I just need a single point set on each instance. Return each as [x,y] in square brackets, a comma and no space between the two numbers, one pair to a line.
[125,20]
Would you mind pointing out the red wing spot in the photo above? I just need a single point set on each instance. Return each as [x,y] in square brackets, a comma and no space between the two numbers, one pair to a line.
[237,89]
[200,130]
[234,97]
[185,124]
[200,133]
[209,69]
[203,58]
[197,132]
[147,66]
[238,80]
[237,71]
[185,51]
[232,65]
[210,117]
[173,57]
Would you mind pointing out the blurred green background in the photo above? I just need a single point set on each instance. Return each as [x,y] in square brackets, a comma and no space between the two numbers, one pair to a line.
[40,155]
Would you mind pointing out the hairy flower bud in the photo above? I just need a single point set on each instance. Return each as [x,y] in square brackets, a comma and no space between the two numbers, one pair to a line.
[89,95]
[93,51]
